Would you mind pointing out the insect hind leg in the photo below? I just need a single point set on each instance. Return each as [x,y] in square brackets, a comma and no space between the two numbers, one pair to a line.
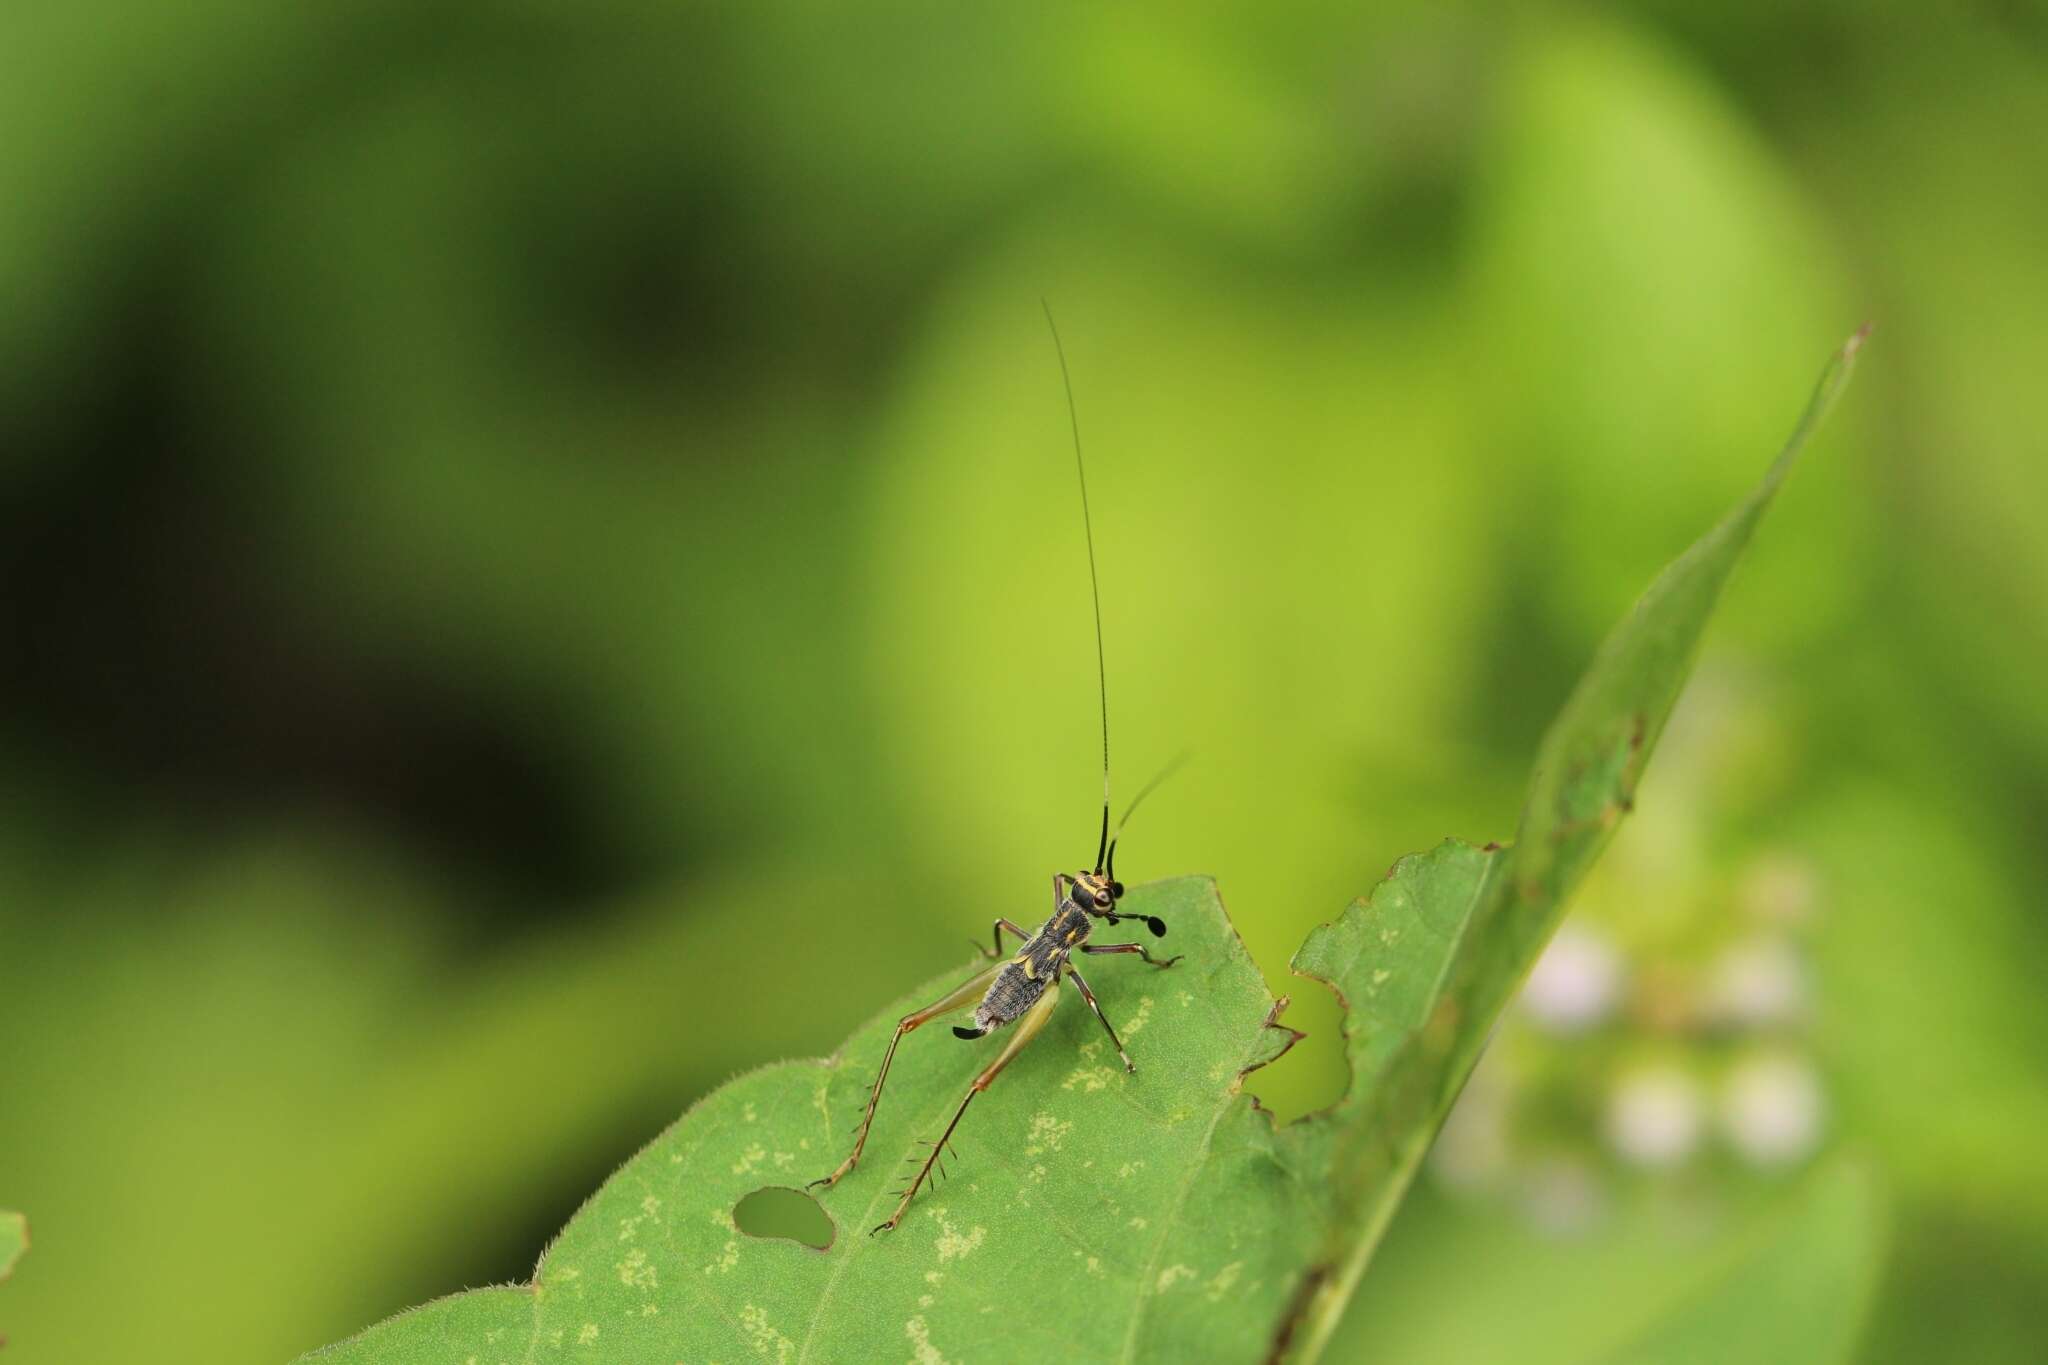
[1027,1029]
[960,997]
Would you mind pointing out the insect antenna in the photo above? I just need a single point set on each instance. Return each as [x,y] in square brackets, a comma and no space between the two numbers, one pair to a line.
[1102,846]
[1178,762]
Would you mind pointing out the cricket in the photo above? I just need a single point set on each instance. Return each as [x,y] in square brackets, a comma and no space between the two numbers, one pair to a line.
[1024,990]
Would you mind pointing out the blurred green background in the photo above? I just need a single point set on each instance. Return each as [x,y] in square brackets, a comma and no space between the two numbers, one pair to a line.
[522,528]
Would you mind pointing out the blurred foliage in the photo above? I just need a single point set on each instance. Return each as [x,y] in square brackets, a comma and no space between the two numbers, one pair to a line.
[13,1240]
[1281,1220]
[509,515]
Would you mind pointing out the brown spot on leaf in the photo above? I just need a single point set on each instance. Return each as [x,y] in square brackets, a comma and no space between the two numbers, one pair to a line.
[1297,1309]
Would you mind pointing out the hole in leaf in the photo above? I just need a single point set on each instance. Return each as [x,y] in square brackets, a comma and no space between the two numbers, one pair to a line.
[779,1212]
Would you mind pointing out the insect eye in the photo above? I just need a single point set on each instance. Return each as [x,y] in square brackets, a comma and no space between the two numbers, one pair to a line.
[1116,890]
[1102,900]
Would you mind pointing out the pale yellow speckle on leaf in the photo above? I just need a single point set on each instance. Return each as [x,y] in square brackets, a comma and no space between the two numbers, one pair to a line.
[1220,1283]
[1089,1078]
[1047,1133]
[766,1341]
[636,1271]
[921,1349]
[952,1244]
[728,1257]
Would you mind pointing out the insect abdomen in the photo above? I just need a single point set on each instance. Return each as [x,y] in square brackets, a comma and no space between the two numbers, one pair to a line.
[1013,992]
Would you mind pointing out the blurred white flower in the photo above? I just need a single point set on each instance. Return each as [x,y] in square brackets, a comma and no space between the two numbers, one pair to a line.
[1654,1117]
[1575,982]
[1772,1109]
[1471,1150]
[1562,1197]
[1780,888]
[1758,983]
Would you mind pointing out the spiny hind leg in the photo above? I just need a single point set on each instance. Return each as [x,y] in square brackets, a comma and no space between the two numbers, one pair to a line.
[960,997]
[1026,1029]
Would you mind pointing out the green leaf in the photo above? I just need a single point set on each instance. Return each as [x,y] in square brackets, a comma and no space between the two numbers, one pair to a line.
[1094,1214]
[1067,1165]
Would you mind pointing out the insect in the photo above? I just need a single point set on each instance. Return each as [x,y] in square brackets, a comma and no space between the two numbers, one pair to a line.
[1023,990]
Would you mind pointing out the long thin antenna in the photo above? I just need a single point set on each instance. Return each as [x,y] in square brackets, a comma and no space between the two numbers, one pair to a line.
[1109,864]
[1094,584]
[1179,761]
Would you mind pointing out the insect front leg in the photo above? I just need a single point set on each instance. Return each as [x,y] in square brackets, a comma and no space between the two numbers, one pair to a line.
[1137,948]
[1027,1029]
[960,997]
[1129,1067]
